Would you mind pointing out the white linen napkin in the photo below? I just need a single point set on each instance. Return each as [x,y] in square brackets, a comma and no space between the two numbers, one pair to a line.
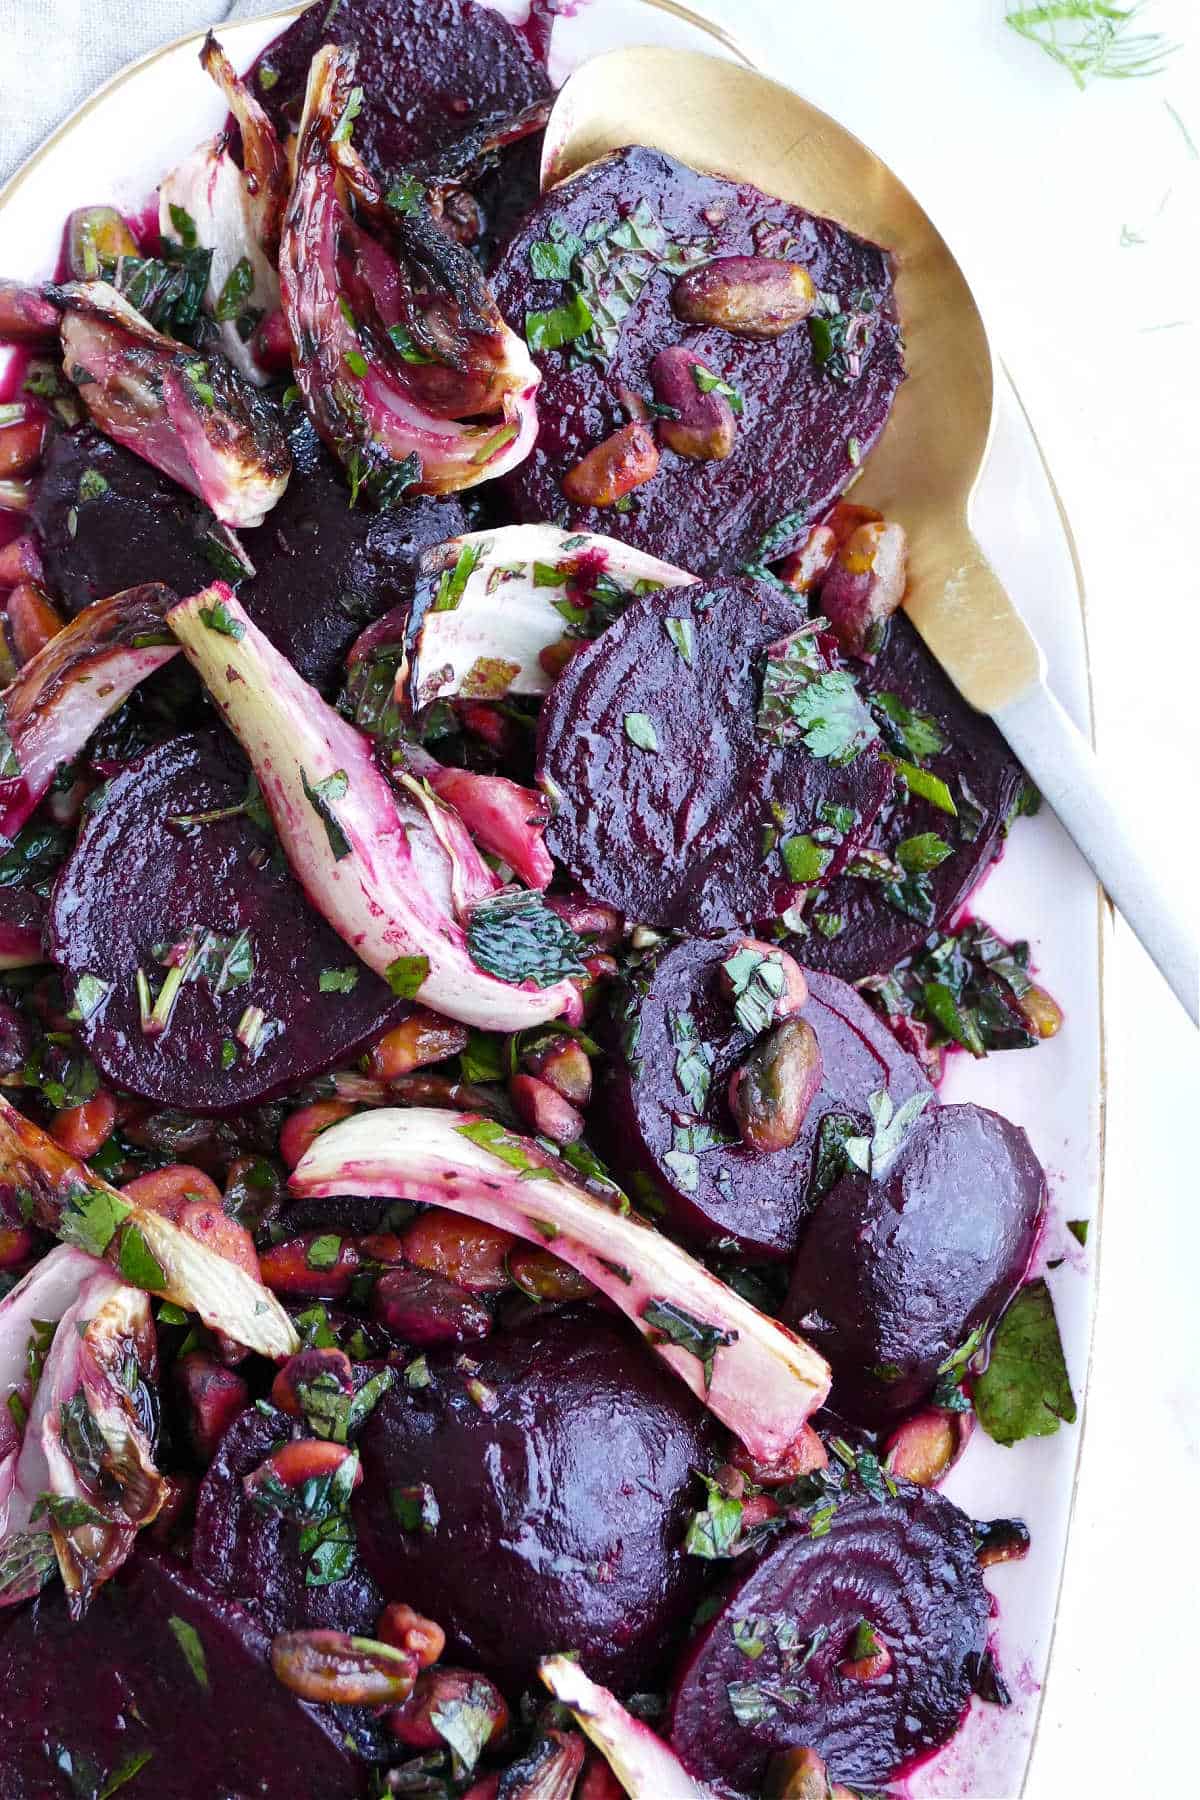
[55,52]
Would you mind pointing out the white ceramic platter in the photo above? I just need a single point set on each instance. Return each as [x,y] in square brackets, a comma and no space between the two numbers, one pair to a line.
[117,147]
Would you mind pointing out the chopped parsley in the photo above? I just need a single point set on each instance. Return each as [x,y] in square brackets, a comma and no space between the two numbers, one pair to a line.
[757,982]
[407,975]
[701,1339]
[891,1126]
[235,291]
[339,981]
[217,617]
[708,383]
[804,702]
[188,1639]
[682,635]
[322,796]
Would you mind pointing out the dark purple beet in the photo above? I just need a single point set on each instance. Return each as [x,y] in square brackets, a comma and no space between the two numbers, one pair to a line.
[254,1555]
[561,1506]
[894,1275]
[159,1663]
[674,837]
[323,569]
[429,69]
[141,522]
[135,883]
[22,921]
[790,450]
[905,1564]
[759,1200]
[985,780]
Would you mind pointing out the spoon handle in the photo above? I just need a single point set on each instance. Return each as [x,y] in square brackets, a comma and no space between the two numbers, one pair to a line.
[1117,845]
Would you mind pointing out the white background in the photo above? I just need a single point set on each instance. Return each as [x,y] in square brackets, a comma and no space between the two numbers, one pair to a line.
[1032,182]
[1035,185]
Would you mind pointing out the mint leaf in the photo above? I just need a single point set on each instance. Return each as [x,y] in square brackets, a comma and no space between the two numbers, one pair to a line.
[1025,1390]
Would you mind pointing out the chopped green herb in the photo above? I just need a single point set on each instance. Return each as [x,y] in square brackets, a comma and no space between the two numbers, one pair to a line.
[559,325]
[750,1636]
[758,981]
[324,1251]
[90,1219]
[407,975]
[406,196]
[402,339]
[322,797]
[453,583]
[91,485]
[184,224]
[1078,1229]
[804,859]
[917,734]
[639,729]
[804,702]
[134,1763]
[339,981]
[188,1639]
[218,617]
[236,290]
[551,261]
[923,784]
[682,636]
[864,1642]
[137,1262]
[749,1704]
[698,1337]
[708,383]
[1025,1390]
[415,1508]
[891,1126]
[483,1059]
[356,362]
[713,1533]
[90,993]
[693,1060]
[923,852]
[345,125]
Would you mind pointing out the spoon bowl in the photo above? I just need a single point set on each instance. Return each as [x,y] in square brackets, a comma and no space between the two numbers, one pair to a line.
[729,120]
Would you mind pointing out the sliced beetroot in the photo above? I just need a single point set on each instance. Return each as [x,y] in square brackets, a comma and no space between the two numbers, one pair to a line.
[253,1554]
[674,1041]
[22,923]
[139,527]
[894,1274]
[429,71]
[661,781]
[789,451]
[160,1666]
[322,568]
[540,1500]
[878,924]
[904,1564]
[136,885]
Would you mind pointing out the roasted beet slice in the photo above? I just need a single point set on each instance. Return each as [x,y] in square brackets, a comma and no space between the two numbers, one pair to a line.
[429,69]
[874,923]
[22,922]
[642,216]
[906,1566]
[136,883]
[163,1668]
[894,1274]
[138,527]
[539,1501]
[253,1553]
[322,568]
[674,1041]
[661,780]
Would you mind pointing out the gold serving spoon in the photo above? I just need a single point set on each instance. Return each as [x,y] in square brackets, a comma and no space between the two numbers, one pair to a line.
[729,120]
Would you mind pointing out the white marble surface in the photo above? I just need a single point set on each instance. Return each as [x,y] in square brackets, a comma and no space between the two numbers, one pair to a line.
[1078,218]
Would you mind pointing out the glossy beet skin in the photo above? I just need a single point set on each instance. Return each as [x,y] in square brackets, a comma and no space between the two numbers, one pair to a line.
[562,1506]
[322,568]
[790,447]
[429,70]
[252,1553]
[907,1565]
[673,837]
[78,1698]
[978,768]
[893,1275]
[761,1200]
[135,882]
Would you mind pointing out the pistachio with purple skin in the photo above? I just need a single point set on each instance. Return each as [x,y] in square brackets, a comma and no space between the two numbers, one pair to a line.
[750,296]
[771,1092]
[701,422]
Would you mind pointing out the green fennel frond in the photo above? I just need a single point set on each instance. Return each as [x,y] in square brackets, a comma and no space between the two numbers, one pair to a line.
[1091,40]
